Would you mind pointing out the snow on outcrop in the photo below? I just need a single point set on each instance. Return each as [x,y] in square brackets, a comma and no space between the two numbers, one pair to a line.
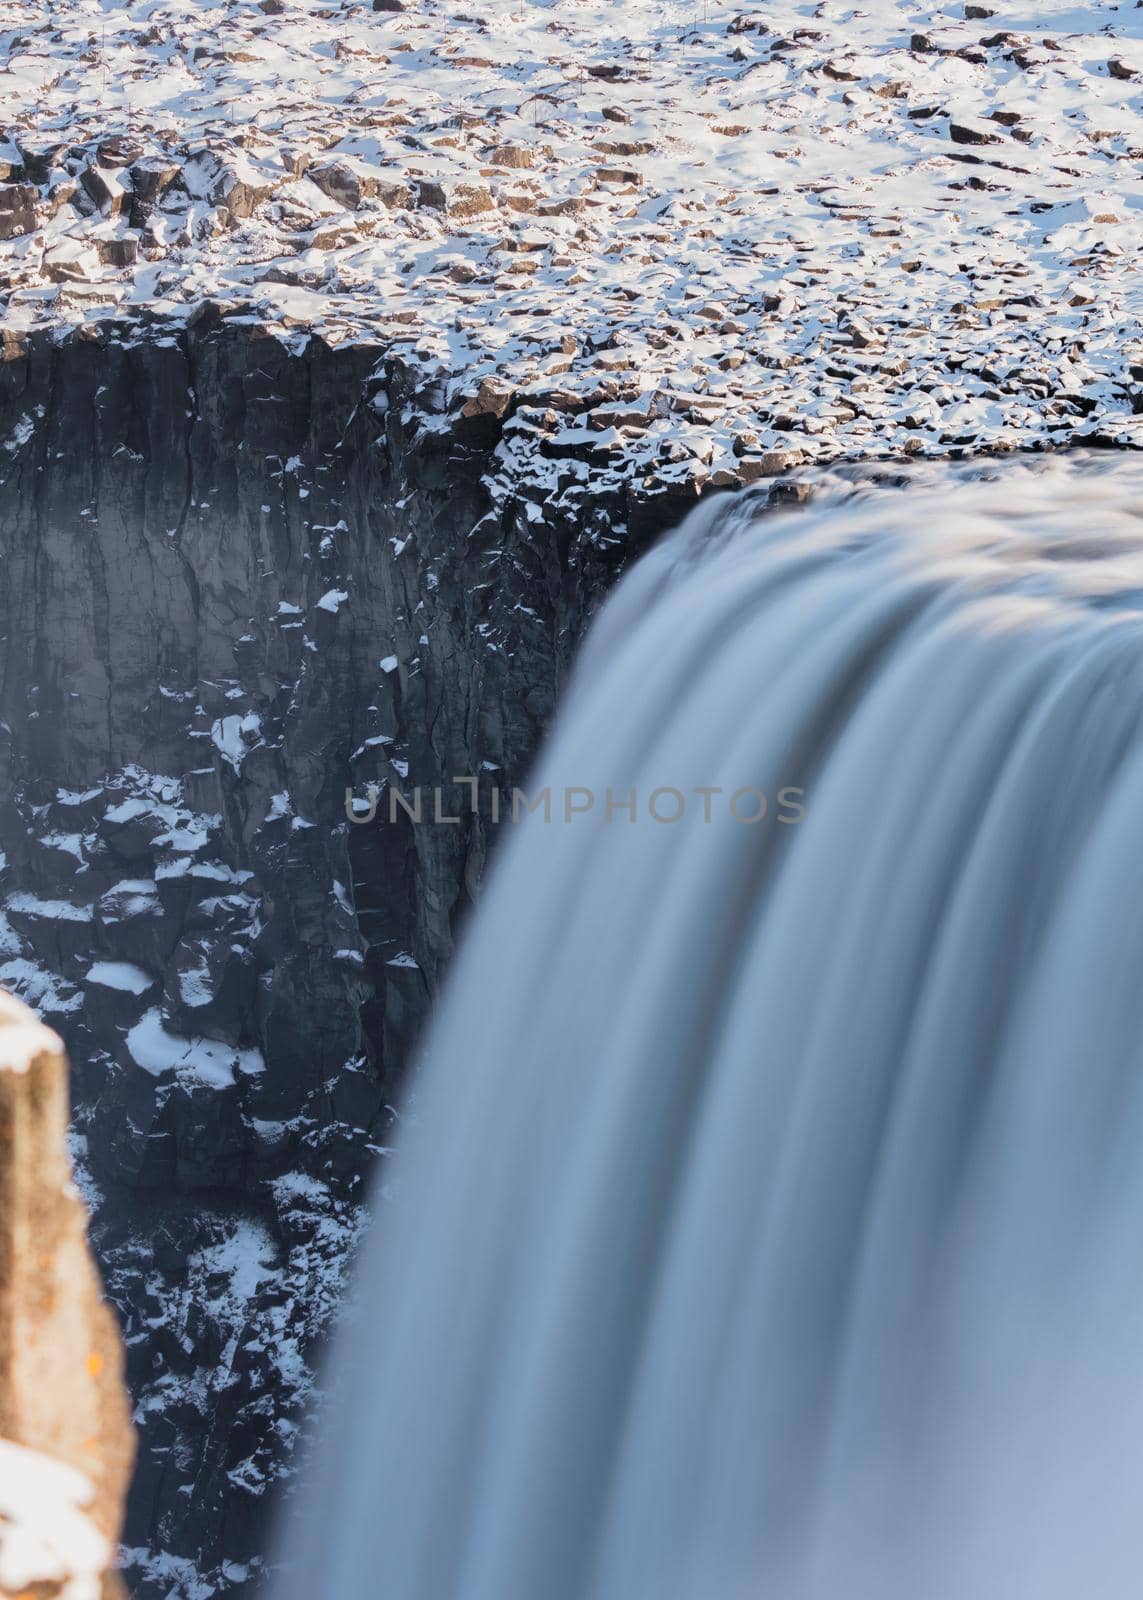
[205,1060]
[712,242]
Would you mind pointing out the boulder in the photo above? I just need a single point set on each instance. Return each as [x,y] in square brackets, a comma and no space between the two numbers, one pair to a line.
[492,399]
[459,200]
[108,187]
[510,155]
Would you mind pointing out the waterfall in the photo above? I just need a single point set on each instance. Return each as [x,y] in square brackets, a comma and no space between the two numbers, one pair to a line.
[768,1214]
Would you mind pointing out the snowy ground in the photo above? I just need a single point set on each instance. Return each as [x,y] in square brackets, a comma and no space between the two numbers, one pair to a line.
[703,240]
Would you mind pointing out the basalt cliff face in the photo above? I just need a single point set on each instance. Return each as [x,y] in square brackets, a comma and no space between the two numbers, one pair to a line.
[243,580]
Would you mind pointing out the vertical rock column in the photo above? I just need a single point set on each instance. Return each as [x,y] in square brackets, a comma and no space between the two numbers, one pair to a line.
[66,1442]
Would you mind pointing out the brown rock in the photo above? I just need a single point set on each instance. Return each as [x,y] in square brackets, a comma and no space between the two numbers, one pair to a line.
[120,150]
[492,399]
[573,206]
[624,148]
[459,200]
[767,465]
[510,155]
[519,200]
[238,193]
[791,494]
[61,1360]
[334,236]
[1118,68]
[395,195]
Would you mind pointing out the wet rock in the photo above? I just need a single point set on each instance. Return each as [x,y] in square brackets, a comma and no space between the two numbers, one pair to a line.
[790,494]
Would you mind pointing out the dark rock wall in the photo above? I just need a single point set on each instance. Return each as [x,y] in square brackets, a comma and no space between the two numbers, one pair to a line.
[238,576]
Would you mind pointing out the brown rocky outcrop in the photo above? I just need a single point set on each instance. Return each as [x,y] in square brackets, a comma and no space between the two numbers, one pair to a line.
[66,1442]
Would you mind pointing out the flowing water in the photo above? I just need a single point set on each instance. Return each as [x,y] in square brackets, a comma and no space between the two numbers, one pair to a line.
[768,1220]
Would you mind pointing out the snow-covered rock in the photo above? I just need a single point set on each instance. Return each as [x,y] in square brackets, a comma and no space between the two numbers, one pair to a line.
[65,1441]
[702,205]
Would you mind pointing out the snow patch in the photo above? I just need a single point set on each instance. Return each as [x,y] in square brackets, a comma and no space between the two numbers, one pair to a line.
[207,1060]
[120,975]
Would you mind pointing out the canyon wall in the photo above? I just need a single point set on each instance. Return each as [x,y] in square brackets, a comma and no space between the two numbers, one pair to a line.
[241,576]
